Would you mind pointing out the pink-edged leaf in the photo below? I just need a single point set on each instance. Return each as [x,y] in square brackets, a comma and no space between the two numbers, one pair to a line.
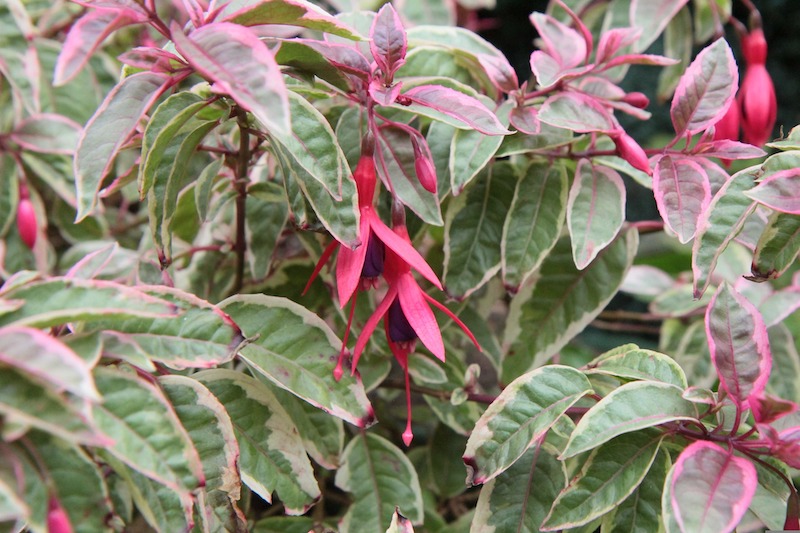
[388,42]
[565,45]
[459,106]
[717,176]
[705,90]
[545,68]
[108,130]
[526,120]
[419,315]
[779,305]
[727,149]
[652,18]
[613,40]
[767,408]
[788,449]
[737,340]
[239,64]
[499,71]
[290,12]
[779,191]
[642,59]
[588,39]
[86,35]
[47,133]
[402,248]
[350,263]
[711,488]
[46,359]
[576,112]
[595,210]
[682,194]
[119,5]
[343,57]
[149,58]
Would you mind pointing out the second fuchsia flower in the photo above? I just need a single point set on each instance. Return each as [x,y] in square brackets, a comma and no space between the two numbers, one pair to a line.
[757,102]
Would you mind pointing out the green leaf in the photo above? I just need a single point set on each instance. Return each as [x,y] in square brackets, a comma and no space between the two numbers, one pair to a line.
[204,187]
[379,477]
[522,413]
[108,130]
[595,210]
[473,231]
[534,221]
[147,433]
[54,301]
[293,13]
[632,406]
[9,193]
[46,359]
[641,511]
[688,346]
[17,471]
[272,456]
[284,524]
[640,364]
[519,498]
[12,507]
[678,302]
[471,151]
[460,418]
[395,163]
[777,248]
[610,474]
[266,214]
[25,403]
[77,482]
[212,434]
[718,225]
[784,379]
[564,301]
[297,351]
[443,462]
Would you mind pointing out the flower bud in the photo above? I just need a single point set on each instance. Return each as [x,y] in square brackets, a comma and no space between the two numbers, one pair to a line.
[426,173]
[758,105]
[630,151]
[26,222]
[636,99]
[728,126]
[754,47]
[57,519]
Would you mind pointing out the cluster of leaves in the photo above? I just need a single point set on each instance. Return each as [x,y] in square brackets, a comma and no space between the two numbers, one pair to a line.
[159,363]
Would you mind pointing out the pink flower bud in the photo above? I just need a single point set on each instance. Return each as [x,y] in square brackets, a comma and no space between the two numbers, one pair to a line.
[728,125]
[630,151]
[754,47]
[57,519]
[636,99]
[426,173]
[26,222]
[758,105]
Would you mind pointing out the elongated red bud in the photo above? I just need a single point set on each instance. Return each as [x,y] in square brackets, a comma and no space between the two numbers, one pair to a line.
[26,222]
[636,99]
[629,150]
[426,173]
[57,519]
[754,47]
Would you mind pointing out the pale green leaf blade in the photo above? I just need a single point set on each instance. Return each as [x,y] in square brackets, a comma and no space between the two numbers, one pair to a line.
[297,351]
[641,511]
[147,433]
[519,498]
[210,428]
[471,151]
[266,215]
[564,301]
[12,506]
[595,210]
[718,225]
[48,360]
[380,477]
[9,193]
[534,221]
[473,231]
[777,248]
[108,130]
[272,456]
[522,413]
[610,474]
[640,364]
[77,481]
[292,13]
[632,406]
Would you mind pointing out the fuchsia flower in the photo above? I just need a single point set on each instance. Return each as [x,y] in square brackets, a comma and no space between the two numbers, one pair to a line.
[57,519]
[757,102]
[406,317]
[26,218]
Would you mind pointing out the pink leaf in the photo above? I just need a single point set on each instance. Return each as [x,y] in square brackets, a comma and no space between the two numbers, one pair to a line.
[241,66]
[613,40]
[119,5]
[711,488]
[642,59]
[705,90]
[47,133]
[459,106]
[85,37]
[389,43]
[500,71]
[779,191]
[343,57]
[767,408]
[526,120]
[577,112]
[682,193]
[546,68]
[419,315]
[149,58]
[108,130]
[728,149]
[564,44]
[290,12]
[737,340]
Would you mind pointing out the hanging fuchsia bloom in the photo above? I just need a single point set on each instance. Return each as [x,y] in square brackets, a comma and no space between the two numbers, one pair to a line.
[406,317]
[57,519]
[757,102]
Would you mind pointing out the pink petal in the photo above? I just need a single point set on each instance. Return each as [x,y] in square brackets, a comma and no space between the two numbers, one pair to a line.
[419,315]
[326,254]
[349,264]
[400,247]
[371,324]
[454,318]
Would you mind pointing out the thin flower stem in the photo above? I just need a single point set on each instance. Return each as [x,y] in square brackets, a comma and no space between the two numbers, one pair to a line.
[240,184]
[440,394]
